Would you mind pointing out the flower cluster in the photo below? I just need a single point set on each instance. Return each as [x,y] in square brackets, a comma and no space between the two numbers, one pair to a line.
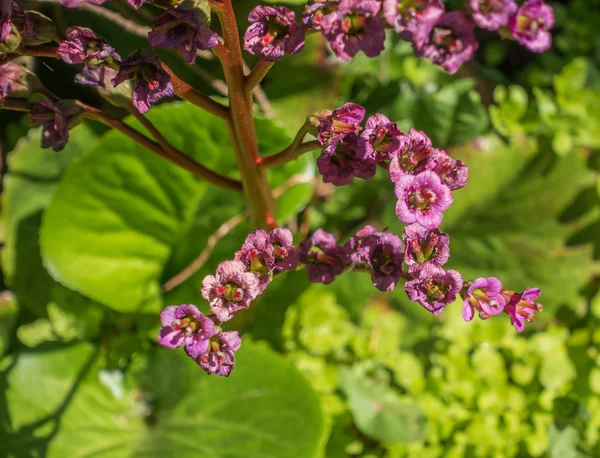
[447,38]
[234,286]
[19,27]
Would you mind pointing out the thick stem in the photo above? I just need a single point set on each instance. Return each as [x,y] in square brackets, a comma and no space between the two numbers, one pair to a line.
[187,92]
[257,74]
[256,187]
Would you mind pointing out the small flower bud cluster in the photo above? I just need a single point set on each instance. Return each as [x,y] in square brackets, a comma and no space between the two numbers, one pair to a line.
[234,286]
[19,27]
[446,38]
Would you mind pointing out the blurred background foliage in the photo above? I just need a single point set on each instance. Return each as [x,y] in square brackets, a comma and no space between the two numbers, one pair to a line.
[90,235]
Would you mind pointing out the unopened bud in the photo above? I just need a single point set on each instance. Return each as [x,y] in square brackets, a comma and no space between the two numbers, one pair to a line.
[17,81]
[37,29]
[11,42]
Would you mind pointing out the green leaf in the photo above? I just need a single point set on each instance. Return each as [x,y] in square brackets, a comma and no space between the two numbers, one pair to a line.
[123,218]
[378,412]
[8,317]
[29,185]
[169,408]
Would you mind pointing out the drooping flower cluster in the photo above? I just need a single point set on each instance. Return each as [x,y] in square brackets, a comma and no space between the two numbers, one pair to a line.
[234,286]
[447,38]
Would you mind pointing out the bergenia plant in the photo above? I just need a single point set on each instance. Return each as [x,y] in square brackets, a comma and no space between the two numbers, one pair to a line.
[352,143]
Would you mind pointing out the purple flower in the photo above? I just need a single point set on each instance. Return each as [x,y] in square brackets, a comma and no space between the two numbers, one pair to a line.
[354,26]
[313,13]
[273,32]
[257,254]
[531,24]
[484,296]
[491,14]
[76,3]
[411,154]
[16,81]
[286,254]
[422,198]
[378,141]
[323,257]
[453,172]
[151,82]
[405,15]
[522,306]
[56,120]
[185,325]
[339,162]
[184,27]
[83,45]
[354,249]
[384,256]
[6,11]
[424,246]
[338,123]
[220,358]
[232,288]
[448,43]
[434,288]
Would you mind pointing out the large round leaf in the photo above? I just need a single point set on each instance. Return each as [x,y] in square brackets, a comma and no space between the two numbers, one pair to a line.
[265,409]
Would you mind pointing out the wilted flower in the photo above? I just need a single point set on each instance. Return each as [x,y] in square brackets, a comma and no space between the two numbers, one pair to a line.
[273,32]
[231,289]
[185,325]
[56,120]
[184,27]
[35,28]
[82,45]
[422,198]
[16,81]
[484,296]
[353,27]
[424,246]
[383,253]
[531,25]
[491,14]
[284,251]
[150,81]
[522,306]
[448,43]
[434,288]
[220,358]
[339,162]
[323,257]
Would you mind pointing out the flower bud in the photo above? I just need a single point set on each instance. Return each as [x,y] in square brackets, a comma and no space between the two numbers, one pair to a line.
[11,42]
[17,81]
[37,29]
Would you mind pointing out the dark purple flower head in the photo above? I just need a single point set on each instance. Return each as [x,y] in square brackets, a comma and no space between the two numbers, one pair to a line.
[76,3]
[491,14]
[405,15]
[353,27]
[185,325]
[82,45]
[411,154]
[354,249]
[424,246]
[453,172]
[257,254]
[313,13]
[323,257]
[484,296]
[286,254]
[522,306]
[150,81]
[531,25]
[448,43]
[184,27]
[384,256]
[232,288]
[339,162]
[220,358]
[56,120]
[422,198]
[338,123]
[273,32]
[434,288]
[378,141]
[16,81]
